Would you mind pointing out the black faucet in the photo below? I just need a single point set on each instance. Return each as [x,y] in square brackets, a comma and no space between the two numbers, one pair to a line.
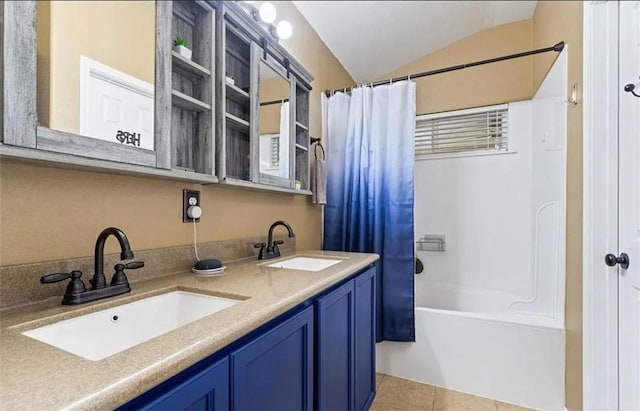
[77,293]
[99,280]
[270,249]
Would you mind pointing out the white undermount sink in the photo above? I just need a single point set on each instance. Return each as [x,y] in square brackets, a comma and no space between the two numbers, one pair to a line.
[101,334]
[305,263]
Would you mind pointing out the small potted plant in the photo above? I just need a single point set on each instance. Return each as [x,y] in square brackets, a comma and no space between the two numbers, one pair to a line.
[181,47]
[298,184]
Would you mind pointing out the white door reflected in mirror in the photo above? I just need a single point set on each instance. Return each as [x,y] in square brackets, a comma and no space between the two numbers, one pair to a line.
[115,106]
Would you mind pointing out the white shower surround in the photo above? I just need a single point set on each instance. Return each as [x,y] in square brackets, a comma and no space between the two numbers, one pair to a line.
[490,310]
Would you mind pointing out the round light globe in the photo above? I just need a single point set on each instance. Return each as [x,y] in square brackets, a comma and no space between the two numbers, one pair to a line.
[284,29]
[267,12]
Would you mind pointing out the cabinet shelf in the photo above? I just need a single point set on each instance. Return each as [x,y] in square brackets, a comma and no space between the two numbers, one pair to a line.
[236,94]
[302,126]
[188,68]
[187,102]
[237,122]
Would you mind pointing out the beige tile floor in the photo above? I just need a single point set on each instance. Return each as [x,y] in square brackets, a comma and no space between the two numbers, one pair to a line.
[396,394]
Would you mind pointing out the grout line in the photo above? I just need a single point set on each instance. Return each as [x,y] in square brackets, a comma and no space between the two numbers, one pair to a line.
[433,402]
[495,402]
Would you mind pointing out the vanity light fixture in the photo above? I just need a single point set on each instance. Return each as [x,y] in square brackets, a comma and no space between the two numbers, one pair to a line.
[284,29]
[267,12]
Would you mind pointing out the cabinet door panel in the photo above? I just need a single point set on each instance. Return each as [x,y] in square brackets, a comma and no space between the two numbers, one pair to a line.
[364,352]
[335,336]
[207,391]
[275,371]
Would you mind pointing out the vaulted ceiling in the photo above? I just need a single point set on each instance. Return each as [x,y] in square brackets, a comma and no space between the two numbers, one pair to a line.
[372,38]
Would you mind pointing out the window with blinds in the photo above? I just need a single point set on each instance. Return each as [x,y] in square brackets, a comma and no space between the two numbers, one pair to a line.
[482,129]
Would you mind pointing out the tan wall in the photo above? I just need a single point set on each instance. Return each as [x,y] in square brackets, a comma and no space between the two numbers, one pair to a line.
[120,34]
[477,86]
[49,213]
[554,21]
[315,59]
[270,119]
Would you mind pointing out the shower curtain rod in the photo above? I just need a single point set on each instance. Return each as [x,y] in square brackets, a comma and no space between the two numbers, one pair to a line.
[268,103]
[557,48]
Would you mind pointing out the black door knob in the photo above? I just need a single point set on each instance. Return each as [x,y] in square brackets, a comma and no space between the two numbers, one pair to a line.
[611,260]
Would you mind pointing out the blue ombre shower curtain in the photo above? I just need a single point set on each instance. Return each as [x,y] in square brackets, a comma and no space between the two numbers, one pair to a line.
[369,140]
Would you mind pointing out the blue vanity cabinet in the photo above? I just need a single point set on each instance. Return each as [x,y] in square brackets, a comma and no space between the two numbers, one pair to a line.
[207,390]
[364,378]
[335,344]
[345,328]
[275,370]
[320,355]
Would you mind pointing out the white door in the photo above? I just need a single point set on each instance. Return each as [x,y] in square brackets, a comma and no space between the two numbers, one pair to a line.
[611,206]
[629,209]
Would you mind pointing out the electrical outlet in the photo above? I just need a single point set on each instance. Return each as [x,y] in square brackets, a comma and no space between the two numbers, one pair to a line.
[189,198]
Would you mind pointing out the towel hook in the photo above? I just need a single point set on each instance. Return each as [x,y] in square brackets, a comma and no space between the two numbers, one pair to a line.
[573,99]
[630,88]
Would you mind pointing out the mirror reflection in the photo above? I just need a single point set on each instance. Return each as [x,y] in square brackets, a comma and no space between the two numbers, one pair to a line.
[274,123]
[96,73]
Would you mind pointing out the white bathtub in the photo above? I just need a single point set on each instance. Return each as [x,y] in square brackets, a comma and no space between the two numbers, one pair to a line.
[467,341]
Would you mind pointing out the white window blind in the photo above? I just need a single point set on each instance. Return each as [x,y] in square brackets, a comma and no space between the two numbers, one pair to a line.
[483,129]
[275,152]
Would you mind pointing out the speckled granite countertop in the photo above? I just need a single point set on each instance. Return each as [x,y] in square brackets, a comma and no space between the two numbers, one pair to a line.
[37,376]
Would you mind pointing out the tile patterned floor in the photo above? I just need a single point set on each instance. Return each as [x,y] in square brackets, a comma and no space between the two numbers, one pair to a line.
[396,394]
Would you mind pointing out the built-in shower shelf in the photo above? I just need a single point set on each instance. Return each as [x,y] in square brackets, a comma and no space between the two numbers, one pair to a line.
[432,242]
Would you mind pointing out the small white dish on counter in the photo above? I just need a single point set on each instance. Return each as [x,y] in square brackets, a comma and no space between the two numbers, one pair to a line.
[214,272]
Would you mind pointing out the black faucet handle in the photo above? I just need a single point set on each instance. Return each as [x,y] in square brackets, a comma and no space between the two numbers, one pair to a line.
[134,265]
[278,242]
[119,277]
[76,285]
[130,266]
[54,278]
[259,245]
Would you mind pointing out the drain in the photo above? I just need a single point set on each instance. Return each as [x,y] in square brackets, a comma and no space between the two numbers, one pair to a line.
[115,318]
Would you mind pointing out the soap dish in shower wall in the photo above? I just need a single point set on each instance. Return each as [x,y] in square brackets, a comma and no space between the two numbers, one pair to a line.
[432,242]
